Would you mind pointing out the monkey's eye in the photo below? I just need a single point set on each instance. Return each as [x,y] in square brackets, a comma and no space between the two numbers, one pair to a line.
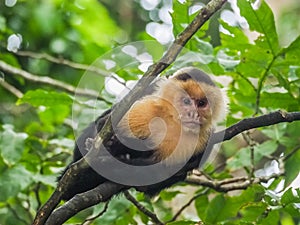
[202,103]
[187,101]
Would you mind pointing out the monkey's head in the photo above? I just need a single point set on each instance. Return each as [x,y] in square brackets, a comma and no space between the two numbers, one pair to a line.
[198,101]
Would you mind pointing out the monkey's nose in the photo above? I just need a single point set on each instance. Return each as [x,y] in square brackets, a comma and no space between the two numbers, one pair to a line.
[193,115]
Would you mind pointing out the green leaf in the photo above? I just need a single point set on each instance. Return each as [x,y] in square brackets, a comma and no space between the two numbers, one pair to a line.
[50,180]
[293,210]
[286,68]
[180,16]
[272,218]
[201,205]
[155,49]
[254,61]
[204,47]
[12,61]
[265,149]
[279,101]
[227,59]
[236,40]
[93,21]
[216,68]
[253,211]
[54,115]
[41,97]
[223,207]
[276,132]
[273,186]
[290,196]
[116,210]
[261,19]
[292,168]
[13,180]
[2,24]
[168,195]
[242,158]
[214,209]
[11,145]
[292,52]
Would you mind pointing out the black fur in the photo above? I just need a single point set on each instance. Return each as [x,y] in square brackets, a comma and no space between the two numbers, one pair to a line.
[195,74]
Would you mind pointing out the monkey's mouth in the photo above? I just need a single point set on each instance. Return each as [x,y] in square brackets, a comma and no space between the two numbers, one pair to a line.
[192,124]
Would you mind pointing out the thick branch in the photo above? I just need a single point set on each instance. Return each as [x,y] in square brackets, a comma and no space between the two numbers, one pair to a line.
[82,201]
[250,123]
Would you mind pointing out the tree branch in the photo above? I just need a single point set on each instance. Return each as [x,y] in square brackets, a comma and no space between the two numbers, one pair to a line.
[188,204]
[142,208]
[11,89]
[255,122]
[49,81]
[90,219]
[231,183]
[65,62]
[82,201]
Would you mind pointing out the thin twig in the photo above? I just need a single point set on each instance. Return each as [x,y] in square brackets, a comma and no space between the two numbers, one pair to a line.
[142,208]
[65,62]
[16,214]
[221,182]
[49,81]
[11,89]
[286,157]
[70,64]
[188,204]
[251,143]
[261,82]
[91,219]
[229,185]
[36,190]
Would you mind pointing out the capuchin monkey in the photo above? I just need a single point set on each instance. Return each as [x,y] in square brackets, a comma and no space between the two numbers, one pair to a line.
[171,124]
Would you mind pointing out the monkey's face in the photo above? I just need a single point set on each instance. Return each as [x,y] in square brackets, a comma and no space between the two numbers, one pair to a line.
[198,105]
[191,105]
[194,112]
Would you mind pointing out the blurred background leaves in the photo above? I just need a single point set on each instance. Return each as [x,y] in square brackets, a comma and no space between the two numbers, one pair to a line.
[252,54]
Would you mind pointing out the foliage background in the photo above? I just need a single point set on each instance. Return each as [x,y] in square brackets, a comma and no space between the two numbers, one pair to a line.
[259,67]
